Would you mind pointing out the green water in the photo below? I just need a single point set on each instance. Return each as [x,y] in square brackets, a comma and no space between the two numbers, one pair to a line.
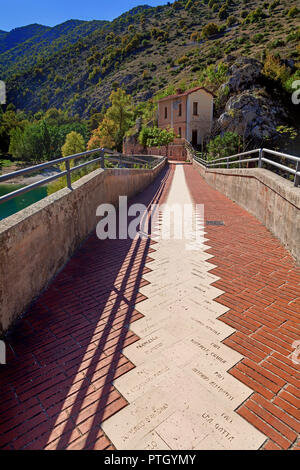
[18,203]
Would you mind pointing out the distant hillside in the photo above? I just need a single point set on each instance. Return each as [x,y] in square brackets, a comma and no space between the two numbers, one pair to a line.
[144,50]
[44,44]
[20,35]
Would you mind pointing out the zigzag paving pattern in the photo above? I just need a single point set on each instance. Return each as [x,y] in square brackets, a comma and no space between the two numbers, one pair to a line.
[180,393]
[162,344]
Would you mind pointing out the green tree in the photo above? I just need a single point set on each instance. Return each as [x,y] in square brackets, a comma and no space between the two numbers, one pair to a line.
[9,120]
[293,12]
[156,137]
[33,144]
[16,146]
[223,145]
[74,144]
[116,122]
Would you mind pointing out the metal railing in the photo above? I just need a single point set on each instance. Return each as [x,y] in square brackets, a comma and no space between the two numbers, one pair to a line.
[105,154]
[260,159]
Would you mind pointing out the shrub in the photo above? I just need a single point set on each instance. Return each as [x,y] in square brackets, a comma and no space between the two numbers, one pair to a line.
[288,84]
[274,4]
[293,35]
[274,70]
[277,43]
[255,16]
[257,38]
[156,137]
[213,77]
[294,11]
[182,60]
[223,13]
[209,30]
[231,20]
[195,36]
[223,145]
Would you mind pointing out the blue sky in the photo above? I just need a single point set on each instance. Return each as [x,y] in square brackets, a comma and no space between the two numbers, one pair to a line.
[15,13]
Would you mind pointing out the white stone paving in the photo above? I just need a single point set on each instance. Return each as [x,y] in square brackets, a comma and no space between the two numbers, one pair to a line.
[180,393]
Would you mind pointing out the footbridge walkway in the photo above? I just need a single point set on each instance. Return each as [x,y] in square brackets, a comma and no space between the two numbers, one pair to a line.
[156,342]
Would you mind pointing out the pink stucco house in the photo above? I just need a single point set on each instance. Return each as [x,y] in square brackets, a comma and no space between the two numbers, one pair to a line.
[189,113]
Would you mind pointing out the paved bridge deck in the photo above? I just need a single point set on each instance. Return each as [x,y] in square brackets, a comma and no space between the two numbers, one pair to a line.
[153,344]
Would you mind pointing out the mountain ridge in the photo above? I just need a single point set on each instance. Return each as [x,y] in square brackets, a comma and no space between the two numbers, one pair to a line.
[18,35]
[144,50]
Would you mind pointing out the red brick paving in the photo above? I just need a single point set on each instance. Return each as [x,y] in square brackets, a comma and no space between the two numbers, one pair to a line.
[262,289]
[65,352]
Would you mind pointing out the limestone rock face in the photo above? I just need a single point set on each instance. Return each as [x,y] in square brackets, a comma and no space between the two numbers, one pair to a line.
[252,115]
[250,110]
[243,74]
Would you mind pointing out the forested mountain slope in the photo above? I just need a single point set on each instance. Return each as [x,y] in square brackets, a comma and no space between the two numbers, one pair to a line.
[144,50]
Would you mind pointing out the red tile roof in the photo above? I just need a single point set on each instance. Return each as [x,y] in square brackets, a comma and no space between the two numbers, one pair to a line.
[185,93]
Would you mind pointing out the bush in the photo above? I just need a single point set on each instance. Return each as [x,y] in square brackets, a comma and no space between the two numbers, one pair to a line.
[209,30]
[213,77]
[156,137]
[195,36]
[257,38]
[231,20]
[288,84]
[294,11]
[223,13]
[255,16]
[293,35]
[276,71]
[274,4]
[277,43]
[182,60]
[223,145]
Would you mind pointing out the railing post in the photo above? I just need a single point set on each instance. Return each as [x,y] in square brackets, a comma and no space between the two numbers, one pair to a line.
[227,163]
[261,154]
[297,177]
[102,160]
[69,183]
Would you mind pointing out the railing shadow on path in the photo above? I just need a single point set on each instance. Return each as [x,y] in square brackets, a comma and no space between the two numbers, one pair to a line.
[56,352]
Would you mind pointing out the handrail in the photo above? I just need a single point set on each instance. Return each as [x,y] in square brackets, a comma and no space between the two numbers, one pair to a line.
[119,158]
[236,155]
[260,159]
[236,161]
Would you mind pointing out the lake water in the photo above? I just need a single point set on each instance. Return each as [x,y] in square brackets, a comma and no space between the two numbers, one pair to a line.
[18,203]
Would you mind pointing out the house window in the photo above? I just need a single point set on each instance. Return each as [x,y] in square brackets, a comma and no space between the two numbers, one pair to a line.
[180,110]
[195,109]
[166,113]
[179,132]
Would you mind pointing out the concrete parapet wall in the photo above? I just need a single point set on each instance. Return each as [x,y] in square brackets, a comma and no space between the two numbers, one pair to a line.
[273,200]
[36,242]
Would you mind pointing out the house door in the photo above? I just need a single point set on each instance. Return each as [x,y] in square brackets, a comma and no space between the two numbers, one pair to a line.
[194,138]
